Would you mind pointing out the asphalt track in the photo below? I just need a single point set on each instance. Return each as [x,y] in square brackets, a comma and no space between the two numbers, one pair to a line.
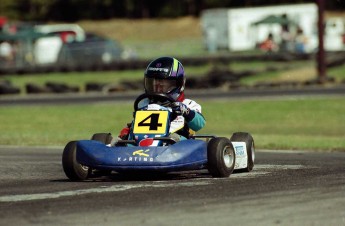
[285,188]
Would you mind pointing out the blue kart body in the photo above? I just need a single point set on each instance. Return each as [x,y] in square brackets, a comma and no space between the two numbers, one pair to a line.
[150,123]
[154,145]
[184,155]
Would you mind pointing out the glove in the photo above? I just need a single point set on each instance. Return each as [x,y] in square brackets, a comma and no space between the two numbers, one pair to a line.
[180,108]
[125,132]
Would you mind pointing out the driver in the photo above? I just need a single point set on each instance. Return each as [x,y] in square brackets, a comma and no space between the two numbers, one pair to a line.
[165,75]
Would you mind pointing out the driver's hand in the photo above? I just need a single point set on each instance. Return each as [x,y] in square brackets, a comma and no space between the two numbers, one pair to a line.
[180,108]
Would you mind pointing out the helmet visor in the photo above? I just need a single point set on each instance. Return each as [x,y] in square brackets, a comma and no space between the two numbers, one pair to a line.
[159,85]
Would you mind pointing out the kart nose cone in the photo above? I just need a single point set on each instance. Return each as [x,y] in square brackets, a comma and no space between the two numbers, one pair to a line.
[182,155]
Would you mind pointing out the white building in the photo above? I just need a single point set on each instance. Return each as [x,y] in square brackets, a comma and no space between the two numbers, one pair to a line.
[239,30]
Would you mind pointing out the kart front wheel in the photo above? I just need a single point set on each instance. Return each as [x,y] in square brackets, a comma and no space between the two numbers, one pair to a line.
[220,157]
[248,139]
[73,170]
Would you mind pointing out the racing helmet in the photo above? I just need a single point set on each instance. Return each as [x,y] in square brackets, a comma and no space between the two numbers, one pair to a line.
[165,75]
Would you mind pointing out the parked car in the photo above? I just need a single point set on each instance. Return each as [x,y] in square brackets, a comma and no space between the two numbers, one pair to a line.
[94,50]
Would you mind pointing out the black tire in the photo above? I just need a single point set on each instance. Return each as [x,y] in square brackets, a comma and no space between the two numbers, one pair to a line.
[105,138]
[248,139]
[221,157]
[73,170]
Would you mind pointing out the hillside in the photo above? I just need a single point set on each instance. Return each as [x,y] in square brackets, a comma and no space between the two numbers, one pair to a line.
[149,38]
[145,29]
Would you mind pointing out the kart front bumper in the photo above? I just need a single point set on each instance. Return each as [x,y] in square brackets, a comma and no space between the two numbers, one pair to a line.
[184,155]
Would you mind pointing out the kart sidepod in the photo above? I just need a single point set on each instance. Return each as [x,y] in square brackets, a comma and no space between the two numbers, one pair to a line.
[184,155]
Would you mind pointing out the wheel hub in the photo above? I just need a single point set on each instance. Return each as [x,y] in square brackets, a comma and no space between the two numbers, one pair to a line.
[228,157]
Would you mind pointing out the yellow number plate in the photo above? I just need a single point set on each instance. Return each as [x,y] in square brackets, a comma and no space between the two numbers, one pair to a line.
[150,122]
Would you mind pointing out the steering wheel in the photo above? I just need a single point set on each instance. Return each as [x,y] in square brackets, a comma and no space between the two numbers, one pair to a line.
[161,97]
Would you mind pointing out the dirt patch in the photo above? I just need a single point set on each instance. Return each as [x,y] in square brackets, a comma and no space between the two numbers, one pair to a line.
[299,75]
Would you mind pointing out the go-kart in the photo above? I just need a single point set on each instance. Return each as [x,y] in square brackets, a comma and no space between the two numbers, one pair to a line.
[151,148]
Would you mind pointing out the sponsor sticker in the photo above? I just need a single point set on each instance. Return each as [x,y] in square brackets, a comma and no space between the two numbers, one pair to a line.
[158,69]
[141,152]
[140,155]
[239,150]
[134,159]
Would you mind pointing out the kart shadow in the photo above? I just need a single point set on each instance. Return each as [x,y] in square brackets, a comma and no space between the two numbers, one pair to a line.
[158,176]
[123,177]
[153,176]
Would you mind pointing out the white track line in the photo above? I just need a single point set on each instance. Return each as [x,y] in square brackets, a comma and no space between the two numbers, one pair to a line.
[114,188]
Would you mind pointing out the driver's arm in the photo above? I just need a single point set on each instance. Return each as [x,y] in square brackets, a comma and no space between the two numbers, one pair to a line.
[195,120]
[191,111]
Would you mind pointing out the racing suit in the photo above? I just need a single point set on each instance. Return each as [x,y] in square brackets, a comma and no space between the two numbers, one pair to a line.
[192,119]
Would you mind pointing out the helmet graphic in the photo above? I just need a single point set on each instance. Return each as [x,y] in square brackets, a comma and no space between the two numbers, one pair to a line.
[165,75]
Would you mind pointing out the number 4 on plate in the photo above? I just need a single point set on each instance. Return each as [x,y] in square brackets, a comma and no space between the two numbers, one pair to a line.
[150,122]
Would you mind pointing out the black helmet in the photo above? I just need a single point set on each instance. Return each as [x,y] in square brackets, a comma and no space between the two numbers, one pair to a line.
[165,75]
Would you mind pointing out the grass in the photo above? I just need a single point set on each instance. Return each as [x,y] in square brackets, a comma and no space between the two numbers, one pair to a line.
[297,71]
[311,124]
[286,124]
[79,79]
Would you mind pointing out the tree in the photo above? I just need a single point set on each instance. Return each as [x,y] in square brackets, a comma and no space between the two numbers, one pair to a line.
[74,10]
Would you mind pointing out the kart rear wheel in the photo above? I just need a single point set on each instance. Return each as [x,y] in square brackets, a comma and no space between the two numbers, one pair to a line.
[105,138]
[221,157]
[248,139]
[73,170]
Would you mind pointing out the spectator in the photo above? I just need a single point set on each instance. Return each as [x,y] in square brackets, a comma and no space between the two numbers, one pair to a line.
[6,51]
[269,44]
[300,41]
[286,43]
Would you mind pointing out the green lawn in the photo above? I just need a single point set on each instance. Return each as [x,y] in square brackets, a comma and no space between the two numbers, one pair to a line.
[80,79]
[311,123]
[292,71]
